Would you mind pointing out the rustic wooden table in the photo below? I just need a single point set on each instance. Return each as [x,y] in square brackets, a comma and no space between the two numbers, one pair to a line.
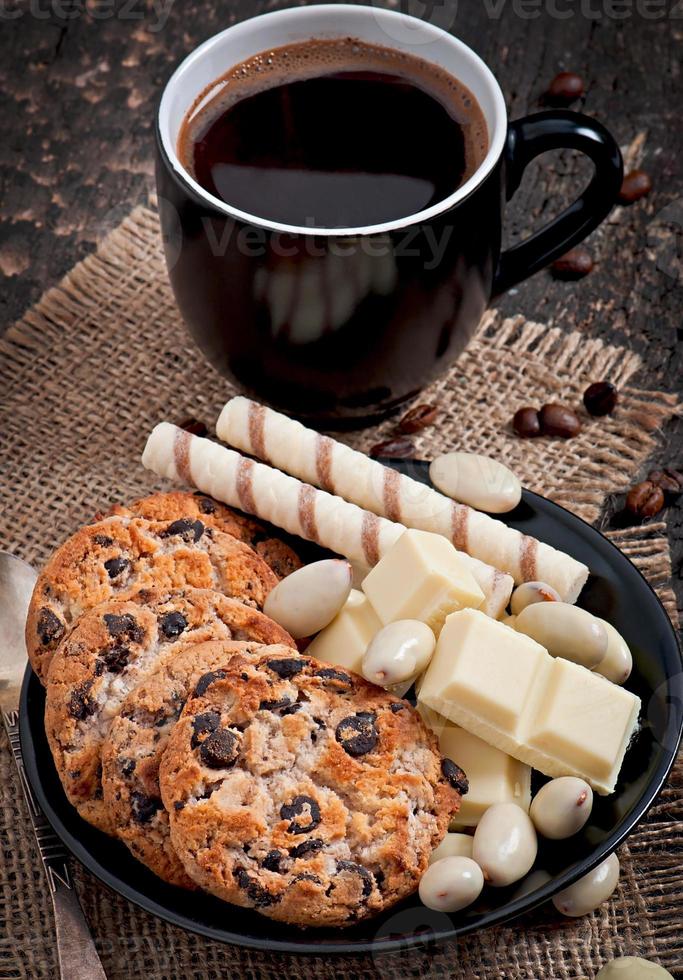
[80,78]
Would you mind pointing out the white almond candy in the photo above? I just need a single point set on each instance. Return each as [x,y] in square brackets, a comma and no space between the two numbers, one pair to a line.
[308,600]
[528,593]
[451,884]
[453,845]
[479,481]
[398,653]
[565,631]
[589,892]
[561,807]
[505,844]
[617,663]
[632,968]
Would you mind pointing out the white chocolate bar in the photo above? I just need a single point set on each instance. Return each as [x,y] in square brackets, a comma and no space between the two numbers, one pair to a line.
[547,712]
[493,776]
[421,577]
[294,506]
[348,636]
[335,467]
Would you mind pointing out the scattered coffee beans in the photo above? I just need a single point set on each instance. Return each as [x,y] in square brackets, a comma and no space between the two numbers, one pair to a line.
[636,184]
[600,398]
[671,481]
[565,88]
[558,420]
[418,417]
[526,423]
[574,264]
[194,427]
[645,499]
[398,448]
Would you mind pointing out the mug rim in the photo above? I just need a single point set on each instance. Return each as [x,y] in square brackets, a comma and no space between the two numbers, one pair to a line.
[497,132]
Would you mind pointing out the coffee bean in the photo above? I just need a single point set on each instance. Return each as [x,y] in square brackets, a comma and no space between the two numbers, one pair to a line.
[418,417]
[193,426]
[558,420]
[526,423]
[636,184]
[574,264]
[565,88]
[398,448]
[645,499]
[455,776]
[671,481]
[600,398]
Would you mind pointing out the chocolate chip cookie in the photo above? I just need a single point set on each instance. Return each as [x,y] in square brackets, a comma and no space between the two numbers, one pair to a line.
[121,555]
[197,506]
[302,791]
[136,741]
[110,650]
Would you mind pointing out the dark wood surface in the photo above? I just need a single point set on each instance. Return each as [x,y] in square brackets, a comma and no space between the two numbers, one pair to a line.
[79,82]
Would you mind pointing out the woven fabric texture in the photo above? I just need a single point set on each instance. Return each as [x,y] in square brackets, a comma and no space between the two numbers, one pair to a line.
[83,378]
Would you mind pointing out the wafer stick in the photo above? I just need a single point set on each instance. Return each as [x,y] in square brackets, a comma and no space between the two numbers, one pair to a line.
[290,446]
[297,507]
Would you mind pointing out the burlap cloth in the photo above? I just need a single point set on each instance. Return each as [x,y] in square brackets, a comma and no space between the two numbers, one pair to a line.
[83,378]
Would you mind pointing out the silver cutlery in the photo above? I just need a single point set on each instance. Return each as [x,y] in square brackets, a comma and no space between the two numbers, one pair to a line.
[76,952]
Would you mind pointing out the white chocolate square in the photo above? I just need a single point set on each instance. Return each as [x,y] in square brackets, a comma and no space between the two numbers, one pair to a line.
[421,577]
[348,636]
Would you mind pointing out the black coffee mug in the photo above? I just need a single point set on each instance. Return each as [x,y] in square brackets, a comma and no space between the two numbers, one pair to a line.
[343,327]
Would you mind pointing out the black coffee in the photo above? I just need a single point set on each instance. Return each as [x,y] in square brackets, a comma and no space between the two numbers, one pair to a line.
[334,134]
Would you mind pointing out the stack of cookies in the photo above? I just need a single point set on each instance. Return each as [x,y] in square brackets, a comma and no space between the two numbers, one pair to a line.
[185,722]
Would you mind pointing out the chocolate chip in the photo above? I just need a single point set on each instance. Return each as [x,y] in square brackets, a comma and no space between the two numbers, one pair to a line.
[184,528]
[144,808]
[636,184]
[418,418]
[307,876]
[206,680]
[271,861]
[50,628]
[379,877]
[275,705]
[358,869]
[126,625]
[193,426]
[334,676]
[179,805]
[103,540]
[128,767]
[397,706]
[301,806]
[220,750]
[116,566]
[114,660]
[670,480]
[203,725]
[645,500]
[81,705]
[564,89]
[310,846]
[255,891]
[207,505]
[455,776]
[526,423]
[399,448]
[574,264]
[357,734]
[600,398]
[287,668]
[558,420]
[172,624]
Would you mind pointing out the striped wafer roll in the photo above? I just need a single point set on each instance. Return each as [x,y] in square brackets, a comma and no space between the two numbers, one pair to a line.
[297,507]
[290,446]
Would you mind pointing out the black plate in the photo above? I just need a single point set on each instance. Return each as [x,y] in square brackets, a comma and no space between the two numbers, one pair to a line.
[615,591]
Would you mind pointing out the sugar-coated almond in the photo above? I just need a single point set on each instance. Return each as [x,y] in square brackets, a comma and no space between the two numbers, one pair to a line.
[398,652]
[617,663]
[308,600]
[561,807]
[589,892]
[632,968]
[565,631]
[451,884]
[528,593]
[505,844]
[479,481]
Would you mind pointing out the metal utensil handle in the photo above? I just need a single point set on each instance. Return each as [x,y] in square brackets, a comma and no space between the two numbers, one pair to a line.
[78,957]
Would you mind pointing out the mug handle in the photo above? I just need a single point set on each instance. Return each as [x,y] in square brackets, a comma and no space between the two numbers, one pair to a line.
[533,135]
